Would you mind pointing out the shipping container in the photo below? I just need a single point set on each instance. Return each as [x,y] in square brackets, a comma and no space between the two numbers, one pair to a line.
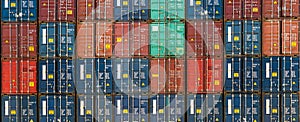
[233,37]
[89,10]
[127,10]
[206,9]
[195,75]
[19,76]
[86,108]
[104,39]
[167,39]
[290,107]
[65,76]
[85,45]
[167,75]
[271,9]
[271,107]
[252,37]
[289,37]
[59,108]
[160,10]
[19,40]
[65,39]
[47,39]
[213,79]
[290,8]
[139,74]
[47,76]
[139,108]
[233,108]
[104,76]
[19,10]
[122,79]
[122,108]
[131,39]
[104,9]
[85,76]
[271,74]
[57,10]
[251,108]
[157,108]
[104,109]
[271,38]
[252,74]
[19,108]
[233,74]
[289,74]
[242,9]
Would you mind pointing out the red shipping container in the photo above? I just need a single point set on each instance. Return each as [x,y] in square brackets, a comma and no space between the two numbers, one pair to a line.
[47,10]
[104,39]
[233,9]
[252,9]
[131,39]
[86,10]
[290,8]
[213,79]
[104,9]
[19,76]
[57,10]
[195,75]
[271,8]
[85,44]
[19,40]
[66,10]
[271,38]
[167,76]
[242,9]
[290,37]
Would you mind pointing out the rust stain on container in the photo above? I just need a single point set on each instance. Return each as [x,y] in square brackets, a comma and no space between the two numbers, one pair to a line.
[290,37]
[104,39]
[85,45]
[271,38]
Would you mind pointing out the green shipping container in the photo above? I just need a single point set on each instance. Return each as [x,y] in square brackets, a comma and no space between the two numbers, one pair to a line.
[167,9]
[167,39]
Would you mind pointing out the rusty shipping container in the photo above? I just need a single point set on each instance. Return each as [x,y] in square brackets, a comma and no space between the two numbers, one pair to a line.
[271,38]
[57,10]
[88,10]
[167,75]
[19,76]
[290,37]
[19,40]
[131,39]
[242,9]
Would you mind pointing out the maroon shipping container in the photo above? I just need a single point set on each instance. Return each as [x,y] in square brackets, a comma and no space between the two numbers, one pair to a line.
[213,79]
[242,9]
[195,75]
[94,9]
[19,40]
[271,8]
[104,39]
[47,10]
[57,10]
[290,8]
[85,45]
[131,39]
[290,37]
[167,76]
[271,38]
[277,8]
[19,76]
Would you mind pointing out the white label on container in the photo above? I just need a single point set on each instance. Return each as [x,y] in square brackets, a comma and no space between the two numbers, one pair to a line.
[191,2]
[192,106]
[118,107]
[268,106]
[154,107]
[118,71]
[44,36]
[229,106]
[6,4]
[229,34]
[229,70]
[154,28]
[268,70]
[44,72]
[81,72]
[44,106]
[81,107]
[118,2]
[6,108]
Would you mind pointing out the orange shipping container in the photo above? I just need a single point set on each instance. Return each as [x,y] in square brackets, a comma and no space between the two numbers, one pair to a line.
[271,38]
[289,37]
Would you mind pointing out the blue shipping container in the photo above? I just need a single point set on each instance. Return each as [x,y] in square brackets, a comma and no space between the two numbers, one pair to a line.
[270,74]
[65,39]
[252,37]
[214,107]
[140,74]
[139,108]
[19,10]
[290,74]
[252,71]
[122,80]
[19,108]
[85,108]
[47,37]
[157,108]
[271,107]
[233,108]
[251,110]
[289,107]
[85,76]
[104,108]
[65,76]
[47,76]
[126,10]
[233,36]
[206,9]
[104,76]
[175,108]
[233,74]
[122,104]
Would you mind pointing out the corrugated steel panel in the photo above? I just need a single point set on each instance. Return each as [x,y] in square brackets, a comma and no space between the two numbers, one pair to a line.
[47,10]
[89,10]
[251,110]
[213,79]
[125,10]
[104,39]
[195,75]
[104,76]
[86,108]
[252,74]
[233,74]
[19,10]
[122,79]
[271,37]
[289,107]
[233,108]
[289,36]
[270,74]
[290,74]
[242,9]
[271,109]
[157,108]
[167,39]
[47,76]
[85,45]
[104,109]
[290,8]
[140,75]
[233,37]
[122,110]
[252,37]
[206,9]
[214,107]
[167,9]
[19,108]
[65,76]
[47,40]
[131,39]
[271,8]
[65,39]
[104,9]
[139,108]
[57,10]
[85,76]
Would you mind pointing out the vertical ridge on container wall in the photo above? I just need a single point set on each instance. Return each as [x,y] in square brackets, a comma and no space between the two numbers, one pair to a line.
[19,10]
[233,36]
[206,9]
[19,76]
[252,74]
[271,37]
[131,39]
[290,37]
[86,108]
[47,37]
[290,74]
[271,109]
[167,9]
[85,76]
[126,10]
[47,76]
[289,107]
[242,9]
[271,74]
[233,73]
[85,45]
[104,76]
[104,39]
[104,108]
[65,76]
[57,10]
[252,37]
